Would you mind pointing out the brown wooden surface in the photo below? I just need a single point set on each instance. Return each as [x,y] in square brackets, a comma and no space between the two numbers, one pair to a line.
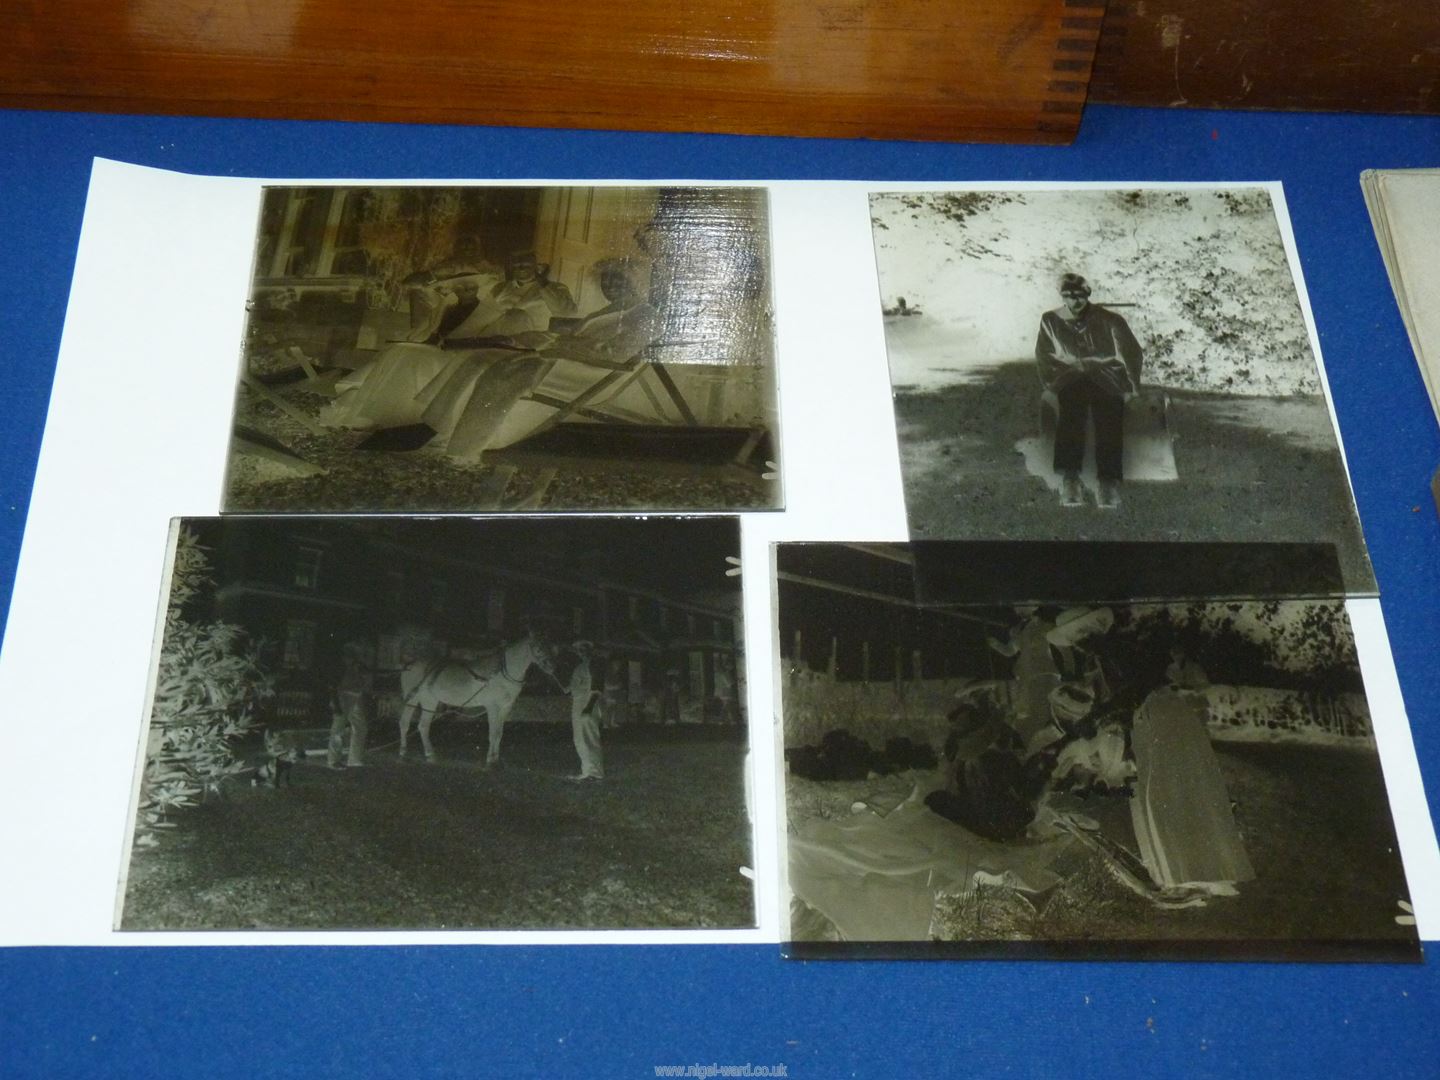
[1355,55]
[922,69]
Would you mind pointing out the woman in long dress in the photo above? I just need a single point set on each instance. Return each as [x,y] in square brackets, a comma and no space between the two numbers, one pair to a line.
[1181,808]
[467,311]
[383,393]
[1035,676]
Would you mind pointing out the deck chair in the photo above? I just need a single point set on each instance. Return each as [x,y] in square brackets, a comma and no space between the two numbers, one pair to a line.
[625,434]
[609,386]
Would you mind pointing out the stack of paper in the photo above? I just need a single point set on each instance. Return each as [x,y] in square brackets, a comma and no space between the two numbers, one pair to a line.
[1405,210]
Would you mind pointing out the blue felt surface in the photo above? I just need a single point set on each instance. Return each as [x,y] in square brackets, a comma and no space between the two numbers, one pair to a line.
[617,1012]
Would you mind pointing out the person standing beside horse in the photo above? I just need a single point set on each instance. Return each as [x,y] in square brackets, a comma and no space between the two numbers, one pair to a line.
[351,711]
[585,709]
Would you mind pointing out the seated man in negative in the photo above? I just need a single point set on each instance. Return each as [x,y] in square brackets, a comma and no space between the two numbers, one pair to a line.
[1090,361]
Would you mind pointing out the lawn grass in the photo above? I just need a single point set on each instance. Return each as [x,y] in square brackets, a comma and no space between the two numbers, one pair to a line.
[1239,482]
[658,844]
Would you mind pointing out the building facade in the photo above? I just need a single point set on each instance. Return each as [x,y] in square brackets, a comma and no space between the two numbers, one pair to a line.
[307,589]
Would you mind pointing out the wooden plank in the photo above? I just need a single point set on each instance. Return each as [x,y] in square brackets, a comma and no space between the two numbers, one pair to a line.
[577,403]
[650,395]
[259,389]
[742,456]
[993,70]
[1358,55]
[674,391]
[490,493]
[537,492]
[884,598]
[561,403]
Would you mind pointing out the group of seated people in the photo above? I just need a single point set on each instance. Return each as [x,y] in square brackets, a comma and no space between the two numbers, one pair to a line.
[480,341]
[1146,741]
[995,784]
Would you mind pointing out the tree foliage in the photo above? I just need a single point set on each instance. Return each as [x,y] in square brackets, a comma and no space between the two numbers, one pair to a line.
[207,688]
[1203,276]
[1303,645]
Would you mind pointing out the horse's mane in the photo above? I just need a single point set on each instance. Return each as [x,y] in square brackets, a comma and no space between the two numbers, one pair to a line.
[482,665]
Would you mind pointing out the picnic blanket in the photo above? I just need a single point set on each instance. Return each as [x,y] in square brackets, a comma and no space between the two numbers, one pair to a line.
[877,878]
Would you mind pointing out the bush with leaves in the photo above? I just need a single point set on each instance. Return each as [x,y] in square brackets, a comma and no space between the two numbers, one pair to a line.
[206,690]
[1302,645]
[1203,275]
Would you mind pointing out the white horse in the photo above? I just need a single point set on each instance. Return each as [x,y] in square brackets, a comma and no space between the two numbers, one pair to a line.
[493,683]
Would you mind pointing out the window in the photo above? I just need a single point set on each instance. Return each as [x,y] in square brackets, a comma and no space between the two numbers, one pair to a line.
[319,233]
[299,644]
[724,676]
[697,675]
[297,252]
[307,568]
[415,643]
[348,255]
[389,652]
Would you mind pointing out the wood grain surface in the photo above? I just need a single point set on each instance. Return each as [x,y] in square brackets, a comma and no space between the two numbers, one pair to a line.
[1012,70]
[1355,55]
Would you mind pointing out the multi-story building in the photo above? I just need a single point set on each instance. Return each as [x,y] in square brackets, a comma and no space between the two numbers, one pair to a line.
[411,590]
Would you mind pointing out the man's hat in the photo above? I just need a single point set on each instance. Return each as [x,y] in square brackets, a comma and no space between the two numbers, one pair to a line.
[1074,283]
[1071,702]
[1074,625]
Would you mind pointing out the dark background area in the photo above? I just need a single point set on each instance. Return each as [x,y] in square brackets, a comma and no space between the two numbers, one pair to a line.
[619,1011]
[1056,571]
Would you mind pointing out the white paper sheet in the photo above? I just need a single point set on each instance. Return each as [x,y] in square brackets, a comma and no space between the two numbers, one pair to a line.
[138,432]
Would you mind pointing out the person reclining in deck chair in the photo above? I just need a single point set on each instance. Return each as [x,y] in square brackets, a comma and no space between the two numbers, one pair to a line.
[382,393]
[452,307]
[525,300]
[443,298]
[1090,361]
[477,401]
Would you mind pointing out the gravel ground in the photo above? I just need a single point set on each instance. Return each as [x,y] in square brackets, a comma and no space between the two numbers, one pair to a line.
[421,480]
